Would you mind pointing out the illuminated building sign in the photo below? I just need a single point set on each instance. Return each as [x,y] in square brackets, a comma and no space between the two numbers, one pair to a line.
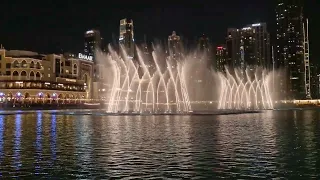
[89,32]
[246,28]
[85,57]
[71,80]
[254,25]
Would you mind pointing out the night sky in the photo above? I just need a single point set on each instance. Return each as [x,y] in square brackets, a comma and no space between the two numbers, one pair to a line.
[53,26]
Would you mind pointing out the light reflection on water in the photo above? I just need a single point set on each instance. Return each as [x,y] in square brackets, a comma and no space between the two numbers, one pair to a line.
[17,143]
[267,145]
[38,143]
[2,127]
[53,136]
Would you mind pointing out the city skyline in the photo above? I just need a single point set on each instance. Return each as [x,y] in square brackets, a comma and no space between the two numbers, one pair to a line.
[247,45]
[140,90]
[46,34]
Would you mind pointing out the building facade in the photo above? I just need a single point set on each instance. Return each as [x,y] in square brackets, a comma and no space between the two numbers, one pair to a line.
[92,41]
[249,47]
[314,81]
[126,37]
[289,47]
[204,44]
[205,50]
[221,58]
[29,76]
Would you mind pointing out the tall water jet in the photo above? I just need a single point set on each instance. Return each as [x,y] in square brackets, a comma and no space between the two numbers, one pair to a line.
[163,84]
[246,90]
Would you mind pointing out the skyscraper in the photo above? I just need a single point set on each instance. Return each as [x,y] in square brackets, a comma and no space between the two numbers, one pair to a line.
[221,56]
[92,40]
[249,47]
[126,38]
[307,64]
[233,48]
[146,54]
[203,43]
[205,50]
[289,47]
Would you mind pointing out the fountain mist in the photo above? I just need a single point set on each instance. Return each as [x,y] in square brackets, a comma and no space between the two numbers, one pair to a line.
[163,84]
[245,90]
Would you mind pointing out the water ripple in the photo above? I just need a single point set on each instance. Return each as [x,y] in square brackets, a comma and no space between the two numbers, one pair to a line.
[273,144]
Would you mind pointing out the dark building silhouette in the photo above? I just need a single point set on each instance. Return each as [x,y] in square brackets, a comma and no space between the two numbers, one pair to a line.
[221,58]
[126,38]
[205,50]
[289,47]
[248,47]
[92,40]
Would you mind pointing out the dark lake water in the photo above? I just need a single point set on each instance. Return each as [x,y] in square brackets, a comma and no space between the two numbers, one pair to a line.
[283,144]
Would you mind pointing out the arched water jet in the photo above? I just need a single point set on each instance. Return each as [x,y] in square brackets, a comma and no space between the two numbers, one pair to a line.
[165,84]
[249,92]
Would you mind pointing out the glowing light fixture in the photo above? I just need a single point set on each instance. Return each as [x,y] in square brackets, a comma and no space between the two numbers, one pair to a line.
[255,25]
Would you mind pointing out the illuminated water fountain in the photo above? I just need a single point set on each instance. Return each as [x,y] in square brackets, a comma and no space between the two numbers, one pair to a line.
[165,85]
[246,90]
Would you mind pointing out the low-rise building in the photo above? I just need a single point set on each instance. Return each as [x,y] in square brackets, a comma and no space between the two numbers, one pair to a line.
[32,77]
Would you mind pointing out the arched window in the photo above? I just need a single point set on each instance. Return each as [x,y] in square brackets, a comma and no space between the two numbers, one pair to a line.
[23,73]
[32,64]
[26,95]
[38,65]
[31,74]
[75,69]
[24,64]
[15,73]
[38,75]
[16,64]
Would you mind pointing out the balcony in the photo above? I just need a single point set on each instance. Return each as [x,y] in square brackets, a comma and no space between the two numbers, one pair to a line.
[41,85]
[69,80]
[17,78]
[25,65]
[5,78]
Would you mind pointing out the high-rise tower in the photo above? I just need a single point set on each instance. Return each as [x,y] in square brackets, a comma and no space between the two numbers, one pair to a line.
[249,47]
[220,58]
[126,38]
[92,40]
[307,73]
[203,43]
[289,45]
[206,51]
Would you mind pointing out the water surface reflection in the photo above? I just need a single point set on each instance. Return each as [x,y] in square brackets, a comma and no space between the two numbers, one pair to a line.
[267,145]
